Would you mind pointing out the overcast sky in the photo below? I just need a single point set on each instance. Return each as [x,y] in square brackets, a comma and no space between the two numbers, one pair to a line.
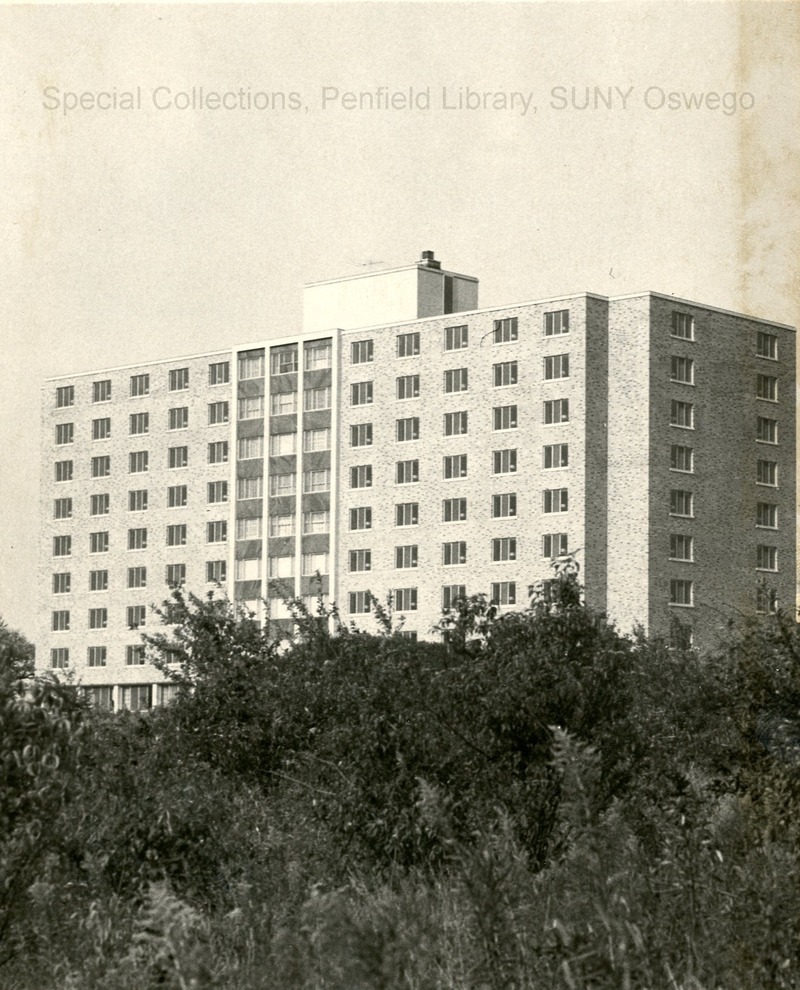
[143,233]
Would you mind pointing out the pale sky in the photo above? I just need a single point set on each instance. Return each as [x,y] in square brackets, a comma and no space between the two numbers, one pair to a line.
[137,234]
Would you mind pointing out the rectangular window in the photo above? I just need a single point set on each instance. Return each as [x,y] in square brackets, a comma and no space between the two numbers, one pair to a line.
[454,466]
[681,547]
[766,600]
[318,355]
[681,370]
[766,515]
[65,433]
[217,531]
[681,458]
[504,592]
[252,406]
[454,553]
[283,361]
[101,466]
[140,385]
[218,412]
[454,510]
[59,657]
[134,656]
[359,603]
[63,471]
[62,583]
[556,411]
[504,505]
[251,487]
[138,461]
[98,580]
[361,435]
[317,481]
[452,594]
[766,558]
[178,379]
[361,476]
[178,418]
[681,592]
[136,697]
[767,387]
[767,345]
[456,424]
[282,484]
[317,398]
[248,449]
[405,599]
[101,391]
[556,366]
[682,325]
[556,455]
[406,514]
[406,557]
[319,439]
[216,571]
[137,500]
[101,429]
[505,331]
[505,373]
[177,496]
[504,548]
[217,491]
[98,542]
[315,563]
[555,500]
[407,472]
[65,396]
[281,404]
[99,505]
[178,457]
[60,621]
[682,414]
[361,352]
[408,344]
[456,338]
[681,636]
[554,544]
[767,473]
[766,430]
[360,560]
[219,373]
[504,418]
[247,569]
[317,521]
[218,450]
[407,429]
[504,461]
[62,546]
[456,380]
[176,574]
[137,539]
[681,503]
[251,529]
[556,323]
[361,394]
[96,656]
[137,577]
[139,423]
[408,387]
[282,444]
[62,508]
[98,618]
[361,518]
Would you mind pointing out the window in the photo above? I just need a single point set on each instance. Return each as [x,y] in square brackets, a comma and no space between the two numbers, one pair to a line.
[681,503]
[504,418]
[138,461]
[65,433]
[178,379]
[504,548]
[178,457]
[251,487]
[767,387]
[140,385]
[456,380]
[454,510]
[136,697]
[556,411]
[407,472]
[766,515]
[317,521]
[216,571]
[137,500]
[504,461]
[681,636]
[218,412]
[504,592]
[60,621]
[65,396]
[62,583]
[406,557]
[766,600]
[361,518]
[219,373]
[681,592]
[361,352]
[682,414]
[98,542]
[315,563]
[361,476]
[139,423]
[177,496]
[59,657]
[98,580]
[137,539]
[319,439]
[360,602]
[556,455]
[62,546]
[281,404]
[681,547]
[248,448]
[96,656]
[361,394]
[456,424]
[505,330]
[360,560]
[456,338]
[681,370]
[555,499]
[408,344]
[505,373]
[405,599]
[217,491]
[218,451]
[556,366]
[252,406]
[62,508]
[681,458]
[247,569]
[454,466]
[682,325]
[767,345]
[282,484]
[250,529]
[101,429]
[99,697]
[101,466]
[176,574]
[766,558]
[408,387]
[317,481]
[63,471]
[318,355]
[407,429]
[282,444]
[454,553]
[283,361]
[99,505]
[504,505]
[556,323]
[361,435]
[766,430]
[554,544]
[134,656]
[98,618]
[217,531]
[317,398]
[101,391]
[137,577]
[767,473]
[453,593]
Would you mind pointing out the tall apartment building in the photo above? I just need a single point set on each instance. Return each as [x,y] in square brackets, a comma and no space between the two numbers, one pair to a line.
[408,444]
